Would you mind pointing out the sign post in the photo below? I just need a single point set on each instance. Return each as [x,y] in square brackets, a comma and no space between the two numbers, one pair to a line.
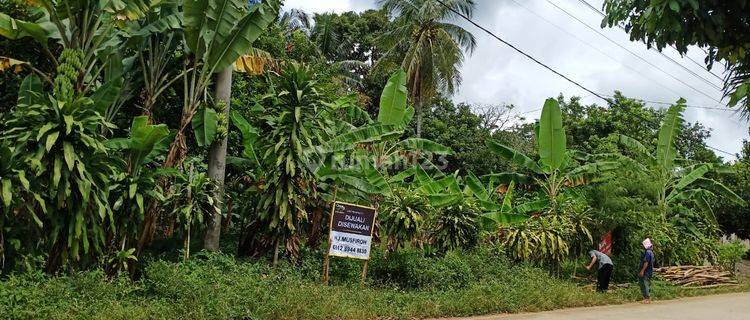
[351,232]
[605,245]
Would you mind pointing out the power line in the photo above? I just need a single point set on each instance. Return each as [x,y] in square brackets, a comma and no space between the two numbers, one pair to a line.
[722,151]
[672,103]
[703,67]
[595,48]
[519,50]
[538,62]
[630,51]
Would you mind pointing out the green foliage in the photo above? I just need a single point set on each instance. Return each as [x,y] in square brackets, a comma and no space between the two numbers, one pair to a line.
[291,128]
[428,47]
[551,137]
[731,253]
[393,100]
[682,23]
[192,201]
[134,184]
[541,239]
[72,168]
[401,216]
[454,226]
[464,131]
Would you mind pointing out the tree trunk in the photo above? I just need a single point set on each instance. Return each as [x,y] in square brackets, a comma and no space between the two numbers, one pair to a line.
[420,113]
[316,227]
[217,159]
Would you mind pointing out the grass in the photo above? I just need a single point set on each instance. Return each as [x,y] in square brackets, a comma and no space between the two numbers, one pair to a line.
[221,287]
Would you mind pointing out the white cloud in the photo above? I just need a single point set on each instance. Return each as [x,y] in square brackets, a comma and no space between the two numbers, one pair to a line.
[337,6]
[497,74]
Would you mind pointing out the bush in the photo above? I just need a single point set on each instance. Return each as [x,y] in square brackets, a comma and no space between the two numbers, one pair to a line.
[410,269]
[731,253]
[217,286]
[454,227]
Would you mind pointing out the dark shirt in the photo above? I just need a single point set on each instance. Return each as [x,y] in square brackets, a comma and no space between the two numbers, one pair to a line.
[648,256]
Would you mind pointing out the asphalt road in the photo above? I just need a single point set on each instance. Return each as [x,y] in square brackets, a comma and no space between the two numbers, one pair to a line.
[725,306]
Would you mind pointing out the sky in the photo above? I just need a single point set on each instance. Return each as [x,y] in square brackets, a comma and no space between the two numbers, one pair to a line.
[496,74]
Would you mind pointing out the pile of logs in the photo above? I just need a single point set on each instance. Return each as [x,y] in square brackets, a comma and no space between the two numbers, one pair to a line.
[703,276]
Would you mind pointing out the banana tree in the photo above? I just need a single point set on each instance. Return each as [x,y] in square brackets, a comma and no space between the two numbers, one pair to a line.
[216,34]
[59,136]
[557,167]
[91,26]
[676,180]
[136,184]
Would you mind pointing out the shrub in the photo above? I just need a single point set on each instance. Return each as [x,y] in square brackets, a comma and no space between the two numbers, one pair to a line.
[410,269]
[731,253]
[455,227]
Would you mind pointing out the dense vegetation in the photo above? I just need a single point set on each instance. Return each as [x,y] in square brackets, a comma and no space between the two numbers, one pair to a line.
[135,133]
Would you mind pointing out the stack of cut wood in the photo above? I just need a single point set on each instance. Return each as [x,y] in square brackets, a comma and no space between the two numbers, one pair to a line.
[703,276]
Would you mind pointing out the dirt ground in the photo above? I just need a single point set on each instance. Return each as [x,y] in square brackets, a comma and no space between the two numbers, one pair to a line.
[735,306]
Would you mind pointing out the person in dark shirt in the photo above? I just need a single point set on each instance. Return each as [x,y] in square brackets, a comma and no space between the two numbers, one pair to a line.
[604,271]
[646,270]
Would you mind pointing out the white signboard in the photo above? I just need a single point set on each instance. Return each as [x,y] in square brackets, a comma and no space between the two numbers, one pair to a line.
[351,231]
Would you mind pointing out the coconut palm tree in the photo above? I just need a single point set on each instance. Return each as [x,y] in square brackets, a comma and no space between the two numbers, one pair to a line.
[428,46]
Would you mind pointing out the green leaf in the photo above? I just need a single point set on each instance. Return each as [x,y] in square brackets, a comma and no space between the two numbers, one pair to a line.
[513,156]
[551,136]
[249,135]
[132,189]
[56,173]
[44,129]
[30,91]
[532,206]
[51,139]
[366,134]
[16,29]
[476,187]
[670,129]
[69,155]
[507,178]
[163,24]
[393,100]
[674,5]
[631,143]
[720,189]
[205,123]
[195,18]
[6,192]
[22,178]
[231,44]
[499,218]
[692,176]
[422,145]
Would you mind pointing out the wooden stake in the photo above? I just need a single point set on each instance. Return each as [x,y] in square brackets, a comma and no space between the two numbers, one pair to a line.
[327,257]
[364,270]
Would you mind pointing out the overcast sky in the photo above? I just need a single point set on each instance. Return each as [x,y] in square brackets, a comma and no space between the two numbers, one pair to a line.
[496,74]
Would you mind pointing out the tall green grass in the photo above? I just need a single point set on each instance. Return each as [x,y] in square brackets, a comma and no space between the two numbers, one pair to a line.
[215,286]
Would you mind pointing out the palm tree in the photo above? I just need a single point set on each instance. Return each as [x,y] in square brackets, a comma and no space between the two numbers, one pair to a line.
[427,46]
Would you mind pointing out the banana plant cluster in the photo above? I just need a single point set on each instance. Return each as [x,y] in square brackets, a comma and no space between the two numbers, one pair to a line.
[677,181]
[59,134]
[557,167]
[135,183]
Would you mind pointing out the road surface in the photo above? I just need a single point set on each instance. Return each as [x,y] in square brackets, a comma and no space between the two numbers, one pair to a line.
[735,306]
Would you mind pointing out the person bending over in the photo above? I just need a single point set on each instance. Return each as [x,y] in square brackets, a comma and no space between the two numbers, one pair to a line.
[604,272]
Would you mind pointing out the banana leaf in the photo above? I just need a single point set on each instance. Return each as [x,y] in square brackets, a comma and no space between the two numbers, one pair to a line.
[393,100]
[670,129]
[513,156]
[551,137]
